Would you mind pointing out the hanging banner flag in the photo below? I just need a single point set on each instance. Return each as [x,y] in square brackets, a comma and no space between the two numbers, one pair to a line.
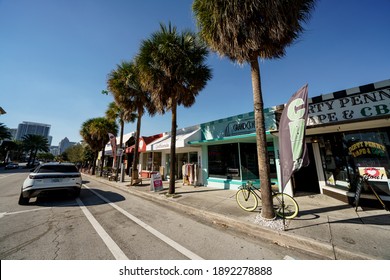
[292,129]
[113,146]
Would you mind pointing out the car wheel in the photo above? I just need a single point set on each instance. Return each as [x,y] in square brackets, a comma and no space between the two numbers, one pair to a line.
[23,200]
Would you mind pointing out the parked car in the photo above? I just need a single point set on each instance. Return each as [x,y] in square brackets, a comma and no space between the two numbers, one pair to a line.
[12,165]
[50,177]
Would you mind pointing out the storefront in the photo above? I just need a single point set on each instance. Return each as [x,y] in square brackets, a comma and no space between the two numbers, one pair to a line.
[108,153]
[187,157]
[229,154]
[148,161]
[349,133]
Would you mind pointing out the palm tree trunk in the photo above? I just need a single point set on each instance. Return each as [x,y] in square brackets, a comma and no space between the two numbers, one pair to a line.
[102,164]
[119,164]
[173,150]
[134,174]
[94,162]
[262,154]
[35,156]
[30,158]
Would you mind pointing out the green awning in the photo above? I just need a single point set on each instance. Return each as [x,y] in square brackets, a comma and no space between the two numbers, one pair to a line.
[236,138]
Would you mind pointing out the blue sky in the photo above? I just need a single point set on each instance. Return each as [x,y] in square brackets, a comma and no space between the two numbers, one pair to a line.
[55,56]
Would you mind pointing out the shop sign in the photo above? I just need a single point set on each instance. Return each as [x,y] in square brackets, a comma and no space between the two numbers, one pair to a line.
[373,173]
[364,105]
[240,127]
[367,148]
[156,182]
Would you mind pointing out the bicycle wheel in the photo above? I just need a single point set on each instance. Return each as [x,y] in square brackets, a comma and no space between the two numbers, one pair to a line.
[246,200]
[285,205]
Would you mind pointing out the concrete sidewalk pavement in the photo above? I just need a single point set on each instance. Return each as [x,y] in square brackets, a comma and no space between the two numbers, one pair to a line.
[325,226]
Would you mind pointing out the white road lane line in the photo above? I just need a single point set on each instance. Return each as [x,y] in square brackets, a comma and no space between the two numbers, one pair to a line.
[24,211]
[110,243]
[6,175]
[156,233]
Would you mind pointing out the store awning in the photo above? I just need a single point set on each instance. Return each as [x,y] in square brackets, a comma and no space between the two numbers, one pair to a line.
[182,140]
[143,142]
[229,139]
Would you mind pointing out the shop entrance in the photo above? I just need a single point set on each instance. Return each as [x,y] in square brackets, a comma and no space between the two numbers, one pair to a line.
[306,179]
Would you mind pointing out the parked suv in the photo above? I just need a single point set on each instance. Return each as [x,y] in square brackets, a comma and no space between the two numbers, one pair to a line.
[49,177]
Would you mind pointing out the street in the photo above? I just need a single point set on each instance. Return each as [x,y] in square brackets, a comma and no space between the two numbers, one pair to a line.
[106,223]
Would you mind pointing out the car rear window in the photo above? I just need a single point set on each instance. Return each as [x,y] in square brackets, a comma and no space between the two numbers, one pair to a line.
[57,168]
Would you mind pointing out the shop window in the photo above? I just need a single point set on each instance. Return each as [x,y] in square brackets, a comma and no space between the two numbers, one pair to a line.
[151,161]
[345,155]
[249,166]
[223,161]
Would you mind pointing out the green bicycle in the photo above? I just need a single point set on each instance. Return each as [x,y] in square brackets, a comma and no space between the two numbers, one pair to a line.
[284,205]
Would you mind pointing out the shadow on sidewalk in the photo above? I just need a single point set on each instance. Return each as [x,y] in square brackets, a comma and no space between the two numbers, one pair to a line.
[198,191]
[321,210]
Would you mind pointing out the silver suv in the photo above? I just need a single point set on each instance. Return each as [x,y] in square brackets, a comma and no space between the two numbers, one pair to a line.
[50,177]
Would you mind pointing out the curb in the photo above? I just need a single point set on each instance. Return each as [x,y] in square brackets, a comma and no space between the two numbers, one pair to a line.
[281,238]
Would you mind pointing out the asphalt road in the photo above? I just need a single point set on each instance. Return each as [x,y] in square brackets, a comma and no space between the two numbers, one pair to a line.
[105,223]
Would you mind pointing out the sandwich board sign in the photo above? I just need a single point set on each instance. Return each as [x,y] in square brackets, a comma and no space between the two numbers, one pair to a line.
[156,182]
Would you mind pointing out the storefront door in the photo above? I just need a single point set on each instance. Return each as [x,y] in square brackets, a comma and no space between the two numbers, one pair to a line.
[306,179]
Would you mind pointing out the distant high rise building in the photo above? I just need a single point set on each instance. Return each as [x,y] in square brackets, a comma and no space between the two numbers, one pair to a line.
[65,144]
[33,128]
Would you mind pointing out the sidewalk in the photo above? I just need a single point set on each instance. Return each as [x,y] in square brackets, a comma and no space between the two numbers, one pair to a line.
[324,226]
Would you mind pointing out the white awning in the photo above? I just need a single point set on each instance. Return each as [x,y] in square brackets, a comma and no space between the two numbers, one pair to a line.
[182,139]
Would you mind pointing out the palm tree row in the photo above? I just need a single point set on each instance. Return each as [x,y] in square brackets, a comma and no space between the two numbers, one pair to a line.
[169,71]
[170,68]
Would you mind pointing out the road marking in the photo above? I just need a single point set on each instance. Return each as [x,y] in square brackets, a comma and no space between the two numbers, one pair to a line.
[24,211]
[287,257]
[110,243]
[6,175]
[156,233]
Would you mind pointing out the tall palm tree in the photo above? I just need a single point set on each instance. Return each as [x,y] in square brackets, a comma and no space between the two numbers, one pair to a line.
[95,134]
[125,86]
[115,112]
[172,68]
[244,31]
[33,144]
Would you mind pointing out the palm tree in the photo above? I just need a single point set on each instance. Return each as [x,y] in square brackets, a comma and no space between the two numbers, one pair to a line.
[100,129]
[95,134]
[86,134]
[7,147]
[244,31]
[4,132]
[125,86]
[33,144]
[115,112]
[172,68]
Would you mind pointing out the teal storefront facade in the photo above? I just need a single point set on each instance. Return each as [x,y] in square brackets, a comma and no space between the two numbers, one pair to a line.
[347,133]
[229,156]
